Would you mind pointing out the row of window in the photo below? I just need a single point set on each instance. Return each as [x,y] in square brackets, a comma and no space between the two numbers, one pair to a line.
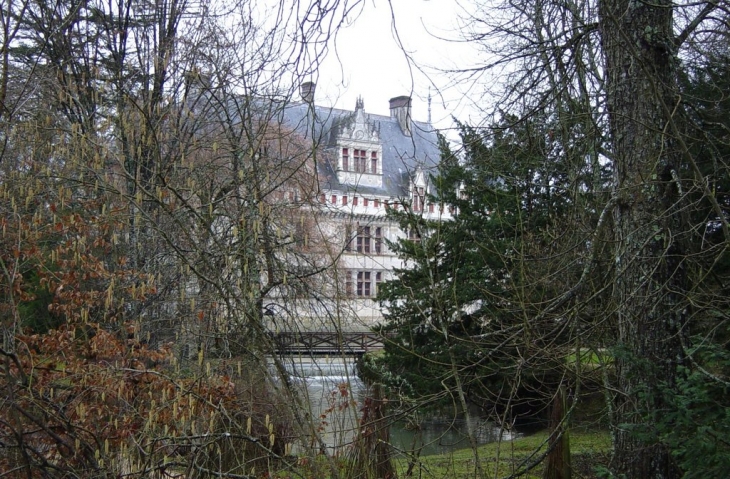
[359,161]
[364,284]
[355,200]
[419,202]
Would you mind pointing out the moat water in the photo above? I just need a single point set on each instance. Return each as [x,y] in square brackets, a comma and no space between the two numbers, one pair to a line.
[336,396]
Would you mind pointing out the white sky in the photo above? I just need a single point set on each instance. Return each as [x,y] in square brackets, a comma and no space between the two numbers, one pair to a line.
[367,61]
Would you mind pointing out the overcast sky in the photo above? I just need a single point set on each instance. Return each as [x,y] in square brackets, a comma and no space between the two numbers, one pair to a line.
[367,60]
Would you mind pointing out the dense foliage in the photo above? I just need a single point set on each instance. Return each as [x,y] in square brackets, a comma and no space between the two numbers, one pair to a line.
[468,311]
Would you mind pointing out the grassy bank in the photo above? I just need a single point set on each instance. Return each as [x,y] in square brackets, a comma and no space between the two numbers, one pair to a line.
[588,449]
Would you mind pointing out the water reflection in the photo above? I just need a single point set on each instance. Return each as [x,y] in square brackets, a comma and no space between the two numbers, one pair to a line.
[438,435]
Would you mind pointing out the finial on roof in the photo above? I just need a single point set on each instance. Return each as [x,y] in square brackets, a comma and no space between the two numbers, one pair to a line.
[359,103]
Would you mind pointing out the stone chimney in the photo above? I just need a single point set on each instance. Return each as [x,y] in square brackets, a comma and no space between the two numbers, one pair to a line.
[400,109]
[306,90]
[197,91]
[196,82]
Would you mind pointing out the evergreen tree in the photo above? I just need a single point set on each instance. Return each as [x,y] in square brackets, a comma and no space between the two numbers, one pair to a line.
[467,313]
[696,420]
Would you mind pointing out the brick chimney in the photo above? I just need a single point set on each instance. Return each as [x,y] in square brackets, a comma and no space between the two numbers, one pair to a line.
[400,109]
[306,90]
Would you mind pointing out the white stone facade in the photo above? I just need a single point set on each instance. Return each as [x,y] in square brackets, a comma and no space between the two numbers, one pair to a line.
[371,163]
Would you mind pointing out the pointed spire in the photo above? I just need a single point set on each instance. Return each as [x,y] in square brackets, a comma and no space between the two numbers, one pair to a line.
[359,104]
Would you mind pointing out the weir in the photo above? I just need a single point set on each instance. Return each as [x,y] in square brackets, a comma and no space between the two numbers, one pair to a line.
[334,394]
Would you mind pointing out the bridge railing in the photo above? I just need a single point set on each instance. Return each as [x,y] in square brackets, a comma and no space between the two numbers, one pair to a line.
[326,342]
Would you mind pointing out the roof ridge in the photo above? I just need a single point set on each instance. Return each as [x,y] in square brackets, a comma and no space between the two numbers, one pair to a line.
[377,116]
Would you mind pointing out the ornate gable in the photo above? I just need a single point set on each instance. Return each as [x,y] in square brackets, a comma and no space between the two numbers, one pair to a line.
[360,153]
[358,127]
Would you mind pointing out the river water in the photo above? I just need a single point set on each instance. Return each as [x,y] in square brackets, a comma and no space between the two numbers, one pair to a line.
[336,395]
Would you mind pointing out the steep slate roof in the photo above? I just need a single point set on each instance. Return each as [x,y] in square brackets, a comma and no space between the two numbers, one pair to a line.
[402,155]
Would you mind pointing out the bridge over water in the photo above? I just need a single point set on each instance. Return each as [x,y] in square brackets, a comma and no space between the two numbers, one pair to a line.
[326,342]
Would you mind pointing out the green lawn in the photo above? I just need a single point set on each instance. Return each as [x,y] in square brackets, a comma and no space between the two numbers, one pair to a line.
[588,449]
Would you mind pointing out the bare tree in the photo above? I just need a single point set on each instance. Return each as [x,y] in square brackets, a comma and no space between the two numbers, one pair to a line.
[151,142]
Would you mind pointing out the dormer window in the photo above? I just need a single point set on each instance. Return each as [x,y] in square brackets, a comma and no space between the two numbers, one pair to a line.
[360,161]
[356,160]
[359,151]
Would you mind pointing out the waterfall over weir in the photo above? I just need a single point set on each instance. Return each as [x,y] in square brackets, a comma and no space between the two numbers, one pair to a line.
[334,393]
[322,369]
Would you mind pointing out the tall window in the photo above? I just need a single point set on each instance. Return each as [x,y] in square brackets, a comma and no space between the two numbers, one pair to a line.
[363,239]
[345,159]
[363,283]
[374,162]
[378,281]
[301,235]
[348,283]
[418,199]
[360,158]
[348,237]
[413,235]
[378,240]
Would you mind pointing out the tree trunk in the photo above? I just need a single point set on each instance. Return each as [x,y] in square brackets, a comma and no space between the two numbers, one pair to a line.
[372,450]
[650,271]
[557,464]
